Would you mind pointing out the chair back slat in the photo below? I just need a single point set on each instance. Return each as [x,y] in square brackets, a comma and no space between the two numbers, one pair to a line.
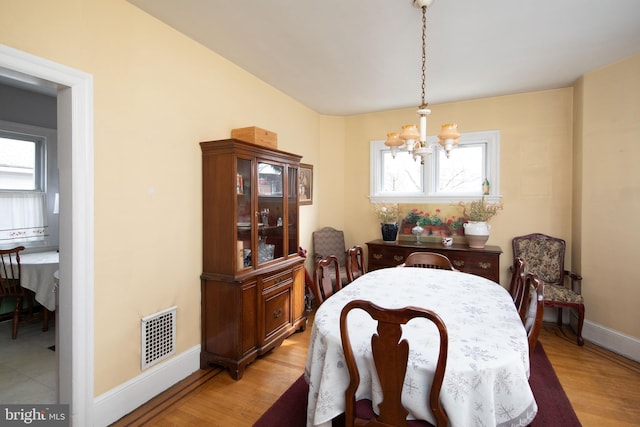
[533,308]
[326,278]
[355,263]
[428,260]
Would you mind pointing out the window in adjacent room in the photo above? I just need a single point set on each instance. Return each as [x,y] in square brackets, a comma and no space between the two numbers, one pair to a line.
[22,188]
[474,162]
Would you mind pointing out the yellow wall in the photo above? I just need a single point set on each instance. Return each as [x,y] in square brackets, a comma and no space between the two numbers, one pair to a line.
[610,195]
[535,162]
[156,95]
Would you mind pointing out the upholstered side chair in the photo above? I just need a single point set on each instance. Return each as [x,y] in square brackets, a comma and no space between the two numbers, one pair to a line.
[544,256]
[329,241]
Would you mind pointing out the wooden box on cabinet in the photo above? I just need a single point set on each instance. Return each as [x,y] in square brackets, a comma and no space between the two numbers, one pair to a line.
[253,279]
[481,262]
[255,135]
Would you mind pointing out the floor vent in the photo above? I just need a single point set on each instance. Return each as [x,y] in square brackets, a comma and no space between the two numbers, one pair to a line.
[158,337]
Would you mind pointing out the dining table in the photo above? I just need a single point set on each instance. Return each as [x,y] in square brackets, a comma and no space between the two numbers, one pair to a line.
[37,274]
[486,377]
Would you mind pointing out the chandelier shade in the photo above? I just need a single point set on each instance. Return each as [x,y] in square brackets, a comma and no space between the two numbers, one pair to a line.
[448,137]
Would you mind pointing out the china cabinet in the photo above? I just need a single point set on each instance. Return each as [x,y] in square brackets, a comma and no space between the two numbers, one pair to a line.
[253,278]
[481,262]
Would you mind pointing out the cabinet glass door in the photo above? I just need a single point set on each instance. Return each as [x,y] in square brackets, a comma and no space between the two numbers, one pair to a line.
[270,212]
[243,196]
[292,211]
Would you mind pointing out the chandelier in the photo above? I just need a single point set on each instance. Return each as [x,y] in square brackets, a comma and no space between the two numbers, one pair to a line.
[412,139]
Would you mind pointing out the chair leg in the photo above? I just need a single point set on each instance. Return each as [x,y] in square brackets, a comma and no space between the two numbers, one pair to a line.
[559,321]
[16,318]
[580,323]
[45,319]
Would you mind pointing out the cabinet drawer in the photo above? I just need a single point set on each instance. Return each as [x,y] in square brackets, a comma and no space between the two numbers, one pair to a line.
[281,278]
[276,310]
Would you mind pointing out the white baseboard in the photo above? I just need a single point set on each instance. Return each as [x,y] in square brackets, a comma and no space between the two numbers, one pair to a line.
[610,339]
[118,402]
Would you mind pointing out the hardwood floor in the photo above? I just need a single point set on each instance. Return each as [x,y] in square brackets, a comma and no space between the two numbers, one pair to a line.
[604,388]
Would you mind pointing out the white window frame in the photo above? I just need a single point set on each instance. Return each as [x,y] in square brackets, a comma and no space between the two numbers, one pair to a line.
[37,235]
[429,193]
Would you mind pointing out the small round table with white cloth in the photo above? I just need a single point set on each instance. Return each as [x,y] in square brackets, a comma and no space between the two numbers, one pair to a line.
[37,274]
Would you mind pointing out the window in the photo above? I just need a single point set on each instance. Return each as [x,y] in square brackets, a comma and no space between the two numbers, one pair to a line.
[19,162]
[22,184]
[440,179]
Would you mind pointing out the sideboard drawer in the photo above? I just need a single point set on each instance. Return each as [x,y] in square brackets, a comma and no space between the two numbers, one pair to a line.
[481,262]
[382,256]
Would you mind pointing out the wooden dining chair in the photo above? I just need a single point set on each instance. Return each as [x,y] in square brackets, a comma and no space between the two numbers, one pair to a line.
[532,309]
[517,285]
[355,263]
[544,256]
[326,278]
[10,285]
[429,260]
[390,355]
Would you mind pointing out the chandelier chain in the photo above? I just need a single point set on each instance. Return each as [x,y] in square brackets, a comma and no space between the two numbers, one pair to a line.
[424,56]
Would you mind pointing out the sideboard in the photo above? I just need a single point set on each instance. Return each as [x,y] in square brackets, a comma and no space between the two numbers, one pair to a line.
[482,262]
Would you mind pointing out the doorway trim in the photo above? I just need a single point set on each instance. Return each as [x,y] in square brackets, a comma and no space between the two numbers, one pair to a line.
[75,162]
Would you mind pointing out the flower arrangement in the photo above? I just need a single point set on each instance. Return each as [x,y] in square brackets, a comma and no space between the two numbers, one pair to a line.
[413,217]
[479,210]
[387,213]
[455,224]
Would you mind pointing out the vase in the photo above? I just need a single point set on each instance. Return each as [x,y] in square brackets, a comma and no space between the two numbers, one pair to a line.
[476,233]
[389,231]
[417,231]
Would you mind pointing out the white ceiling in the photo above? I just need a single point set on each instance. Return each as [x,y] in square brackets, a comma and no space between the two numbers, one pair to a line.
[342,57]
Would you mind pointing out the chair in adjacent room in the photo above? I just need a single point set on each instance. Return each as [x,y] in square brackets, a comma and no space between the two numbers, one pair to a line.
[10,286]
[355,263]
[326,278]
[329,241]
[428,260]
[391,355]
[544,256]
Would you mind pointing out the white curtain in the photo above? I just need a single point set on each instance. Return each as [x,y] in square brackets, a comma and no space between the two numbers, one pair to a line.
[23,218]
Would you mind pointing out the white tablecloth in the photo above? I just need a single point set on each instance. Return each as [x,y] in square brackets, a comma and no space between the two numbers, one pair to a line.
[38,275]
[486,380]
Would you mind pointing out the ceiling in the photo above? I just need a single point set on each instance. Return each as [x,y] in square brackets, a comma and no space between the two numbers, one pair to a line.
[342,57]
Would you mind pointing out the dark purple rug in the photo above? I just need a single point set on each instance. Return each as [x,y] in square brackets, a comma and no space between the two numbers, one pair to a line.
[554,408]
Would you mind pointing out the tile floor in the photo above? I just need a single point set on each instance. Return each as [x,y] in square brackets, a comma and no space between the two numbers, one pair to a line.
[28,368]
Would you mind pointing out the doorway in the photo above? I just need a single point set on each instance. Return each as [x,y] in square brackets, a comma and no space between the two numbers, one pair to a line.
[74,319]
